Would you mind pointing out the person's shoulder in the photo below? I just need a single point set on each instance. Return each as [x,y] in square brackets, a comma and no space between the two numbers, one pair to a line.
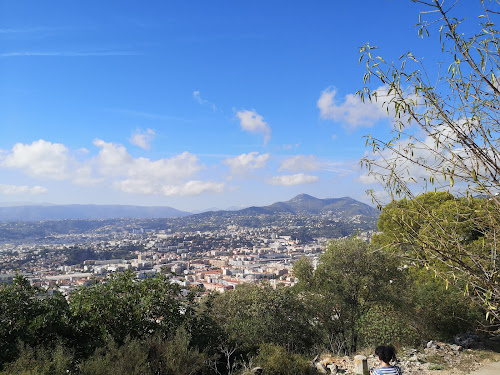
[393,370]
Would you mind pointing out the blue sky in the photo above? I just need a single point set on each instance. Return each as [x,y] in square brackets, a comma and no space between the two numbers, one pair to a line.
[191,104]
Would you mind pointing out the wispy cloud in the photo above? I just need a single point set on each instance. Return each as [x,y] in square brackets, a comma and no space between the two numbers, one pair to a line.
[68,53]
[300,163]
[24,30]
[23,189]
[148,115]
[209,37]
[197,97]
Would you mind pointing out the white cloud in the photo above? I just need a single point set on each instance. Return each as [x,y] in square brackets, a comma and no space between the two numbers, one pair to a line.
[197,97]
[353,112]
[113,159]
[143,139]
[295,179]
[300,163]
[112,165]
[252,122]
[39,159]
[194,188]
[145,176]
[429,156]
[245,162]
[189,188]
[21,189]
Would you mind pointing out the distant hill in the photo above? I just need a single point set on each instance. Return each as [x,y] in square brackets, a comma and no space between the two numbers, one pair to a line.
[85,211]
[304,204]
[303,217]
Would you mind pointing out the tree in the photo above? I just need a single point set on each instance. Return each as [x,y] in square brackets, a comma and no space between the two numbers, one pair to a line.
[457,108]
[32,316]
[348,281]
[125,306]
[252,315]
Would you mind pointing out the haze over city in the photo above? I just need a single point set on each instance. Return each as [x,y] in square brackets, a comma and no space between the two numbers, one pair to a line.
[191,104]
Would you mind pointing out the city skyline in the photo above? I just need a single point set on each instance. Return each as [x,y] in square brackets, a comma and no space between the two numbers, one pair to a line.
[195,105]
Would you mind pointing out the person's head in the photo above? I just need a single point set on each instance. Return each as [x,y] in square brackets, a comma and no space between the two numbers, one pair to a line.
[386,353]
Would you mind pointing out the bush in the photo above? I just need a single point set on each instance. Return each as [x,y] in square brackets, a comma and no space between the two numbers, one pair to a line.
[175,356]
[40,361]
[382,324]
[130,358]
[441,312]
[275,360]
[252,315]
[151,356]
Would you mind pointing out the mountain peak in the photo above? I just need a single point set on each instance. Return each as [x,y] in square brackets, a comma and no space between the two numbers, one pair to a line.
[302,197]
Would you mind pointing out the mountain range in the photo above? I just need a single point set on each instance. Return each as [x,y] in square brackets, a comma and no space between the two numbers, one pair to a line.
[302,204]
[85,211]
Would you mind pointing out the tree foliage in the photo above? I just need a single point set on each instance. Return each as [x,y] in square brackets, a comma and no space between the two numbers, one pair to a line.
[456,106]
[125,306]
[32,316]
[252,315]
[348,281]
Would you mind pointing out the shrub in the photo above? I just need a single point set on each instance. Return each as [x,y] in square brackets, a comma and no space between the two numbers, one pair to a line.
[130,358]
[40,361]
[275,360]
[382,324]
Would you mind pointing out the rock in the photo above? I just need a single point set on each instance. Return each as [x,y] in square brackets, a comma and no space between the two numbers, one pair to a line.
[432,345]
[257,371]
[467,340]
[321,368]
[456,348]
[360,365]
[333,368]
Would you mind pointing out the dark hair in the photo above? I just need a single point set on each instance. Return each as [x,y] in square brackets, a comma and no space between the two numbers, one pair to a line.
[386,353]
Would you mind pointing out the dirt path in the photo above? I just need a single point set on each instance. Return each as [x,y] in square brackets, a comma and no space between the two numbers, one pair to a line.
[492,368]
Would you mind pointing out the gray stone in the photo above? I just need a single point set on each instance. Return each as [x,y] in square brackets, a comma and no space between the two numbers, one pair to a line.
[467,340]
[456,348]
[432,345]
[360,365]
[333,368]
[321,368]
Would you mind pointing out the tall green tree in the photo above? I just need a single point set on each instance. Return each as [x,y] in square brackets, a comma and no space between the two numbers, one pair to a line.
[446,135]
[31,315]
[349,279]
